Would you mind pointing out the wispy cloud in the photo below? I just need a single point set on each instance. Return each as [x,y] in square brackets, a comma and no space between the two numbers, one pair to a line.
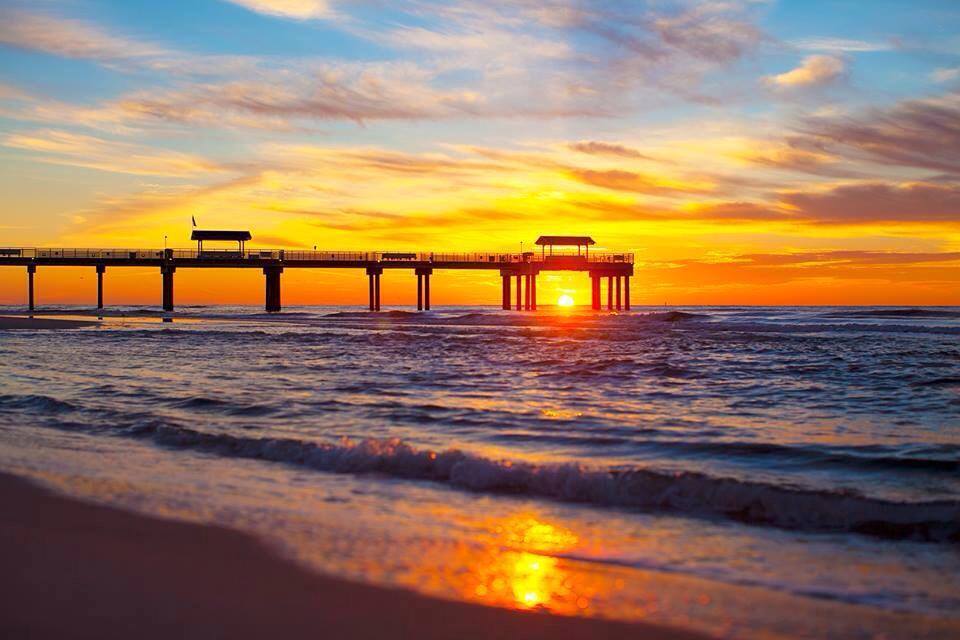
[922,134]
[63,147]
[839,45]
[607,149]
[946,74]
[298,9]
[72,38]
[878,202]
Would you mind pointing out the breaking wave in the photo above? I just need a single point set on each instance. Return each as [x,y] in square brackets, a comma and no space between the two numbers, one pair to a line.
[681,492]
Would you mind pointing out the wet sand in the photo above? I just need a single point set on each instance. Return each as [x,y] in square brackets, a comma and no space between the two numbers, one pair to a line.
[76,570]
[28,322]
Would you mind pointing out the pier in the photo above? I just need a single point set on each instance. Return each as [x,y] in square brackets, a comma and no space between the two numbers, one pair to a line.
[609,272]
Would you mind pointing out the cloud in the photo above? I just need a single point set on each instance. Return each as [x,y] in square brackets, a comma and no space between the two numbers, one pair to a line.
[62,147]
[839,45]
[814,71]
[945,75]
[298,9]
[71,38]
[606,149]
[923,134]
[619,180]
[878,202]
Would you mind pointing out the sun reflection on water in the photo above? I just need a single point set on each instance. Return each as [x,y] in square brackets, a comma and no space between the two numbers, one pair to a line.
[518,569]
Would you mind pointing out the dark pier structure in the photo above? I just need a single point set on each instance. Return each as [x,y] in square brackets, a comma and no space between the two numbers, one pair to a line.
[518,271]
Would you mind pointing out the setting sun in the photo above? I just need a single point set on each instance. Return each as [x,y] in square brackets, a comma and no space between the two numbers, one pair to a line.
[565,301]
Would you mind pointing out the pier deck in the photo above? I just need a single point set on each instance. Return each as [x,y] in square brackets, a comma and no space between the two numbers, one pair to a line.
[617,268]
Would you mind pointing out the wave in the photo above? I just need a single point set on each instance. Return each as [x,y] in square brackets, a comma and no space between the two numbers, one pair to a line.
[895,313]
[35,403]
[685,493]
[944,458]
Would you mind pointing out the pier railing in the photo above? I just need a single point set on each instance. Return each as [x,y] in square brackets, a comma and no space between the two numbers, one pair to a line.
[296,255]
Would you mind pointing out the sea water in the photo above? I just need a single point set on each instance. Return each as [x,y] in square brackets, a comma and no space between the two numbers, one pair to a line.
[790,472]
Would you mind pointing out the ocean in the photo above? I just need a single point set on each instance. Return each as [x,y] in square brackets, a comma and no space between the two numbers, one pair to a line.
[757,472]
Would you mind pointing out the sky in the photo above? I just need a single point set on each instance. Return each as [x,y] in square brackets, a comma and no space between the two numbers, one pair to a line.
[748,152]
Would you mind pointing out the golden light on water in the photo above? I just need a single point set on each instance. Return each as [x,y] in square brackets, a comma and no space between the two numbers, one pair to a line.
[519,571]
[565,301]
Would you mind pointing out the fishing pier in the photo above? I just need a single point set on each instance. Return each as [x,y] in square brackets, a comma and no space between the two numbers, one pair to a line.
[609,272]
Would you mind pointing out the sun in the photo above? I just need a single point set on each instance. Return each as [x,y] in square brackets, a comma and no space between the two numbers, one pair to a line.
[565,301]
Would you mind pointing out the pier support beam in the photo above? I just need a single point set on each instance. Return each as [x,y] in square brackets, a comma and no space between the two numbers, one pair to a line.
[272,295]
[609,293]
[168,271]
[526,297]
[594,292]
[626,293]
[533,292]
[519,292]
[506,290]
[31,269]
[373,276]
[100,269]
[423,289]
[619,294]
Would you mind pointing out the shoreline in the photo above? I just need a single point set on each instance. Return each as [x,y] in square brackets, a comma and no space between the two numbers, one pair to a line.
[74,569]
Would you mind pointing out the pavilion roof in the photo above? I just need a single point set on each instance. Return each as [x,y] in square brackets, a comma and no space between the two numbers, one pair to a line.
[210,234]
[564,241]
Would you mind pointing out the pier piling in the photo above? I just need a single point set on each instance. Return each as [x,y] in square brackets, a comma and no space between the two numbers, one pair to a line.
[272,297]
[100,270]
[506,290]
[168,270]
[31,269]
[373,277]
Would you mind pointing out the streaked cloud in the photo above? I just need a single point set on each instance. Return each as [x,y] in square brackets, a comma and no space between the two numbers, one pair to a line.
[945,74]
[72,38]
[63,147]
[922,134]
[839,45]
[877,202]
[607,149]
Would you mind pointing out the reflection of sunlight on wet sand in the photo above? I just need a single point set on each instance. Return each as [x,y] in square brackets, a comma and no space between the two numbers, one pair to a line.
[516,569]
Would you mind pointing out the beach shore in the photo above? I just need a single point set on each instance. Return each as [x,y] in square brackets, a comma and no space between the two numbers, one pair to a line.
[76,570]
[29,322]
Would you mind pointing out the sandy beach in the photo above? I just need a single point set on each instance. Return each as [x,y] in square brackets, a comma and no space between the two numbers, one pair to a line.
[75,570]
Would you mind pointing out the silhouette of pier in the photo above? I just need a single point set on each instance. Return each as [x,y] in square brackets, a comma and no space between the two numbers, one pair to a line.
[518,271]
